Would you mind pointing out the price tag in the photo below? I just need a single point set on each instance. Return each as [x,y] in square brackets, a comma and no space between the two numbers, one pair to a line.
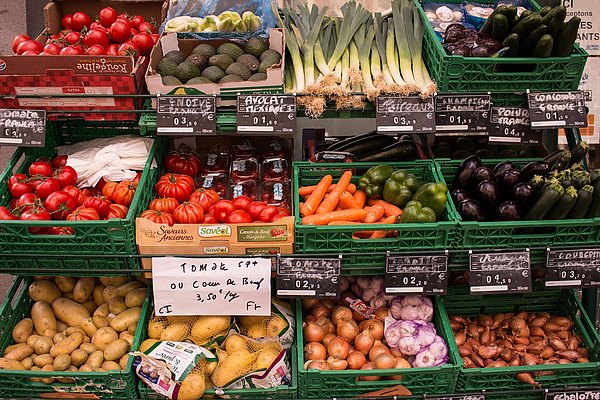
[588,394]
[405,115]
[500,272]
[426,274]
[462,113]
[308,277]
[25,128]
[186,115]
[555,110]
[511,125]
[565,268]
[211,286]
[263,113]
[459,397]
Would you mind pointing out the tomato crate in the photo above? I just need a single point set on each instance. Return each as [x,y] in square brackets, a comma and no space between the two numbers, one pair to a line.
[361,255]
[317,384]
[95,246]
[18,384]
[453,73]
[533,234]
[560,302]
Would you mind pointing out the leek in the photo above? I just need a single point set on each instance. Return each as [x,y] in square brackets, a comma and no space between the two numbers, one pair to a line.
[392,60]
[419,69]
[354,17]
[292,46]
[402,43]
[375,61]
[365,61]
[345,66]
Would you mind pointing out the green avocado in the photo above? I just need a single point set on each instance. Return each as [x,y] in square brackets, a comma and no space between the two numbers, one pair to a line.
[205,49]
[214,73]
[220,60]
[256,46]
[198,80]
[198,60]
[231,78]
[259,76]
[271,54]
[170,81]
[230,49]
[176,56]
[166,67]
[186,71]
[240,70]
[249,61]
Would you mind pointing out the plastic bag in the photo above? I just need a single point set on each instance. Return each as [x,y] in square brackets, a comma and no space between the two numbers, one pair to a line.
[442,15]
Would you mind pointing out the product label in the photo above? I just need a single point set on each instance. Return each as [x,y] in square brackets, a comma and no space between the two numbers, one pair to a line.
[405,115]
[308,277]
[588,35]
[266,113]
[74,103]
[426,274]
[262,233]
[506,272]
[209,231]
[22,127]
[216,250]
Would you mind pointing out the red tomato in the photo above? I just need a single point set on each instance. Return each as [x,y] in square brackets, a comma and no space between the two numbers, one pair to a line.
[284,210]
[27,201]
[165,204]
[72,51]
[147,27]
[112,50]
[119,32]
[108,189]
[136,21]
[205,197]
[144,42]
[98,26]
[67,21]
[133,32]
[18,40]
[32,45]
[124,16]
[158,217]
[155,37]
[181,162]
[242,202]
[60,204]
[80,20]
[47,187]
[83,214]
[36,214]
[177,186]
[36,182]
[223,209]
[239,217]
[35,53]
[18,189]
[138,177]
[95,36]
[124,193]
[6,214]
[128,49]
[73,37]
[43,53]
[60,230]
[107,16]
[52,48]
[59,161]
[99,203]
[268,213]
[279,216]
[117,211]
[188,212]
[255,208]
[66,175]
[96,50]
[209,219]
[16,178]
[75,193]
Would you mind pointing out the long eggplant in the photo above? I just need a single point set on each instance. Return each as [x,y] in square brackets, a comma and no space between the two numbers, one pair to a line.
[399,151]
[338,146]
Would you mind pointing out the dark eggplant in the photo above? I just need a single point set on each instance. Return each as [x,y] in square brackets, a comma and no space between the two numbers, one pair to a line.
[509,178]
[522,193]
[459,195]
[509,211]
[482,174]
[488,193]
[534,168]
[472,162]
[503,166]
[462,179]
[471,210]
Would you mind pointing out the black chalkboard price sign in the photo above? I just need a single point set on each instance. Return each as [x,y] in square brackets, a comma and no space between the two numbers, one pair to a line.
[459,397]
[186,115]
[308,277]
[511,125]
[568,268]
[462,113]
[266,114]
[555,110]
[405,115]
[581,394]
[25,128]
[507,272]
[424,273]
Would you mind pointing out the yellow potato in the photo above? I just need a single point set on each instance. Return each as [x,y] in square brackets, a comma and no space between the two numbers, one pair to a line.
[90,306]
[116,349]
[127,336]
[276,326]
[48,367]
[235,342]
[62,362]
[256,331]
[100,321]
[125,288]
[59,337]
[123,361]
[192,387]
[265,359]
[5,363]
[22,330]
[67,346]
[27,362]
[43,317]
[20,352]
[43,359]
[83,289]
[155,328]
[61,326]
[42,278]
[97,295]
[110,366]
[71,330]
[110,317]
[42,345]
[88,326]
[86,368]
[135,298]
[206,327]
[125,319]
[103,337]
[51,333]
[132,328]
[95,359]
[109,293]
[78,357]
[117,305]
[43,291]
[146,344]
[68,295]
[102,311]
[175,332]
[35,368]
[12,347]
[65,283]
[113,280]
[32,338]
[71,368]
[88,347]
[68,311]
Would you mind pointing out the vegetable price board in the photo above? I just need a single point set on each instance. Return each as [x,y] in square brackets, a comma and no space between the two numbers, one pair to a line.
[274,114]
[557,110]
[462,113]
[507,272]
[568,268]
[426,274]
[511,125]
[405,115]
[308,277]
[186,115]
[573,394]
[25,128]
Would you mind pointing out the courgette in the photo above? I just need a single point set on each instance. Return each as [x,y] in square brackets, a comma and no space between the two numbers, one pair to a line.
[556,25]
[563,162]
[579,152]
[564,205]
[558,11]
[545,201]
[585,196]
[564,45]
[511,14]
[580,179]
[553,157]
[525,14]
[544,47]
[545,10]
[500,27]
[527,24]
[489,22]
[536,183]
[594,175]
[576,167]
[532,40]
[513,43]
[594,209]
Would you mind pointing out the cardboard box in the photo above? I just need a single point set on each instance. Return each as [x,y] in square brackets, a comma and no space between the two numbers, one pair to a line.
[213,240]
[228,91]
[588,36]
[91,75]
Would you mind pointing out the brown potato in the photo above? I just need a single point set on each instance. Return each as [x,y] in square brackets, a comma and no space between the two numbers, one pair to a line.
[79,357]
[22,330]
[65,283]
[43,291]
[83,289]
[62,362]
[48,367]
[117,305]
[97,295]
[42,345]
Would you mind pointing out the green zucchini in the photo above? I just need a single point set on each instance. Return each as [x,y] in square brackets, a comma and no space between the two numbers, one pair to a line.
[399,151]
[511,14]
[564,205]
[579,152]
[584,199]
[489,22]
[536,183]
[545,10]
[556,25]
[532,40]
[545,201]
[544,47]
[499,27]
[594,210]
[564,45]
[525,14]
[527,24]
[566,179]
[563,162]
[580,179]
[576,167]
[513,43]
[553,157]
[558,11]
[595,174]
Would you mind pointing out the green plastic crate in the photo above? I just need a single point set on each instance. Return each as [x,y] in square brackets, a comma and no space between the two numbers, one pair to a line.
[562,302]
[316,384]
[96,246]
[502,74]
[536,235]
[360,256]
[16,384]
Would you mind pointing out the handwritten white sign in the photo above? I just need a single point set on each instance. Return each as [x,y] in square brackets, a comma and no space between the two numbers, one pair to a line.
[211,286]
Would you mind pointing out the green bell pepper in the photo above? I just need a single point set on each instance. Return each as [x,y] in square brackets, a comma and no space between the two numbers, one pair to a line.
[432,195]
[414,211]
[373,180]
[400,187]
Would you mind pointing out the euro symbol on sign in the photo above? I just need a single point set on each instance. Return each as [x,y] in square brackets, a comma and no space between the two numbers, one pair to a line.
[442,276]
[484,114]
[291,116]
[211,117]
[334,279]
[429,115]
[525,273]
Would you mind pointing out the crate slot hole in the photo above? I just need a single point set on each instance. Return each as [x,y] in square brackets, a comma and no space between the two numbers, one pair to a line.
[512,68]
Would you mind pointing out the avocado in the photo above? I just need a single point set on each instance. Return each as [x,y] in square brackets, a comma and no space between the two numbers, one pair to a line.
[240,70]
[256,46]
[249,61]
[170,81]
[198,80]
[265,65]
[186,71]
[230,49]
[231,78]
[273,54]
[198,60]
[166,67]
[259,76]
[220,60]
[213,73]
[205,49]
[176,56]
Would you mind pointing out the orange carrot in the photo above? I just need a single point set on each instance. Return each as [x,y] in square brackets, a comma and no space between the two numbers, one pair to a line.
[347,201]
[307,190]
[333,223]
[324,219]
[389,208]
[339,208]
[316,197]
[381,234]
[360,198]
[374,213]
[334,197]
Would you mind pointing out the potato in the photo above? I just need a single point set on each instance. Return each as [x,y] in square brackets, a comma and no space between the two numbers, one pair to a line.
[123,361]
[48,367]
[117,305]
[88,347]
[68,295]
[265,359]
[206,327]
[61,326]
[65,283]
[27,362]
[44,291]
[43,317]
[256,331]
[192,387]
[59,337]
[176,332]
[113,280]
[109,293]
[210,368]
[142,278]
[72,329]
[67,346]
[61,362]
[22,330]
[42,345]
[88,326]
[135,298]
[71,368]
[110,317]
[50,333]
[95,359]
[32,338]
[125,319]
[132,328]
[69,311]
[83,289]
[146,344]
[155,328]
[14,365]
[103,337]
[125,288]
[97,295]
[20,352]
[102,311]
[116,349]
[42,360]
[111,366]
[86,368]
[86,339]
[127,336]
[78,357]
[90,306]
[42,278]
[12,347]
